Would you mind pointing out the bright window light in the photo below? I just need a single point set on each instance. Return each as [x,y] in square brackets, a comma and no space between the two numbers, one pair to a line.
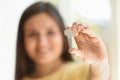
[93,9]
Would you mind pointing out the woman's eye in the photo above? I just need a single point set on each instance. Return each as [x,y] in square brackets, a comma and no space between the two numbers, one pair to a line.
[33,34]
[51,33]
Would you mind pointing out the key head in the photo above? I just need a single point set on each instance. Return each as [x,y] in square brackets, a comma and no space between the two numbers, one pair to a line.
[69,33]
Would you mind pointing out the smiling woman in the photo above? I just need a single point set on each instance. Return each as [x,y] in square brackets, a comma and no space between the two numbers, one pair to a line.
[40,30]
[43,51]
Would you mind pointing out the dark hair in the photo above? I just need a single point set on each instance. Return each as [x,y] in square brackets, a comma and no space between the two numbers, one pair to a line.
[24,65]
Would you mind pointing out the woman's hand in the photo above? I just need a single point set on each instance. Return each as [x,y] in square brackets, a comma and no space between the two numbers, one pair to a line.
[91,50]
[90,46]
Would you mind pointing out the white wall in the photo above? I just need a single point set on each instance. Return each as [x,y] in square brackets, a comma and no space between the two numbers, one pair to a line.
[118,33]
[10,11]
[115,48]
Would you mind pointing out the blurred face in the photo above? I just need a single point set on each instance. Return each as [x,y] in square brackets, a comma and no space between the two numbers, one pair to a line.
[42,39]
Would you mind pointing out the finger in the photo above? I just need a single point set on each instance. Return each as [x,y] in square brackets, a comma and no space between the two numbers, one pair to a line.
[92,36]
[79,24]
[89,33]
[79,27]
[68,28]
[74,27]
[74,24]
[85,26]
[82,26]
[76,52]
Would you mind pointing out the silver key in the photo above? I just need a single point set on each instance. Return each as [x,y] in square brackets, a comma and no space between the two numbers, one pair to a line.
[69,33]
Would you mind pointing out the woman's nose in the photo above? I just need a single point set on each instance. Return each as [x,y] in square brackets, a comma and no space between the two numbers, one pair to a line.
[42,41]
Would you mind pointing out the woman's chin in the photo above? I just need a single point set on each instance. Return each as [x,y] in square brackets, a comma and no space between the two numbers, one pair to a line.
[43,60]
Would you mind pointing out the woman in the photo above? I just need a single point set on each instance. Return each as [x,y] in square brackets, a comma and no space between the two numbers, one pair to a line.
[43,52]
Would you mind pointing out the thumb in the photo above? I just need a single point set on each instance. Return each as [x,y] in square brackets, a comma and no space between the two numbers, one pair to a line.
[76,52]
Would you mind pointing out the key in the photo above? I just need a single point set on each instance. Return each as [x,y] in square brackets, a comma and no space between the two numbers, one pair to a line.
[69,33]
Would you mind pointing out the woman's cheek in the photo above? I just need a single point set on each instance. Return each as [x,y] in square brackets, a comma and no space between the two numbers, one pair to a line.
[57,43]
[30,46]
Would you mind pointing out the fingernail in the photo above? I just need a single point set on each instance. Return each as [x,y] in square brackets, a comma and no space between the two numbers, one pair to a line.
[80,24]
[74,24]
[72,52]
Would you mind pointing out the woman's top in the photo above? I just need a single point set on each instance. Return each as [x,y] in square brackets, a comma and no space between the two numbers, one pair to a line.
[69,71]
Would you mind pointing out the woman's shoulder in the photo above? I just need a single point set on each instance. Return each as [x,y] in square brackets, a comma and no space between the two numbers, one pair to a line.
[76,70]
[76,65]
[69,71]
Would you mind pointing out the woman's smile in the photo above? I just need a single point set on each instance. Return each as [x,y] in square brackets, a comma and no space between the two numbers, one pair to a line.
[43,51]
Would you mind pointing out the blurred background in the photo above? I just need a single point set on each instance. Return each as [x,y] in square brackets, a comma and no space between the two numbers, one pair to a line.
[103,17]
